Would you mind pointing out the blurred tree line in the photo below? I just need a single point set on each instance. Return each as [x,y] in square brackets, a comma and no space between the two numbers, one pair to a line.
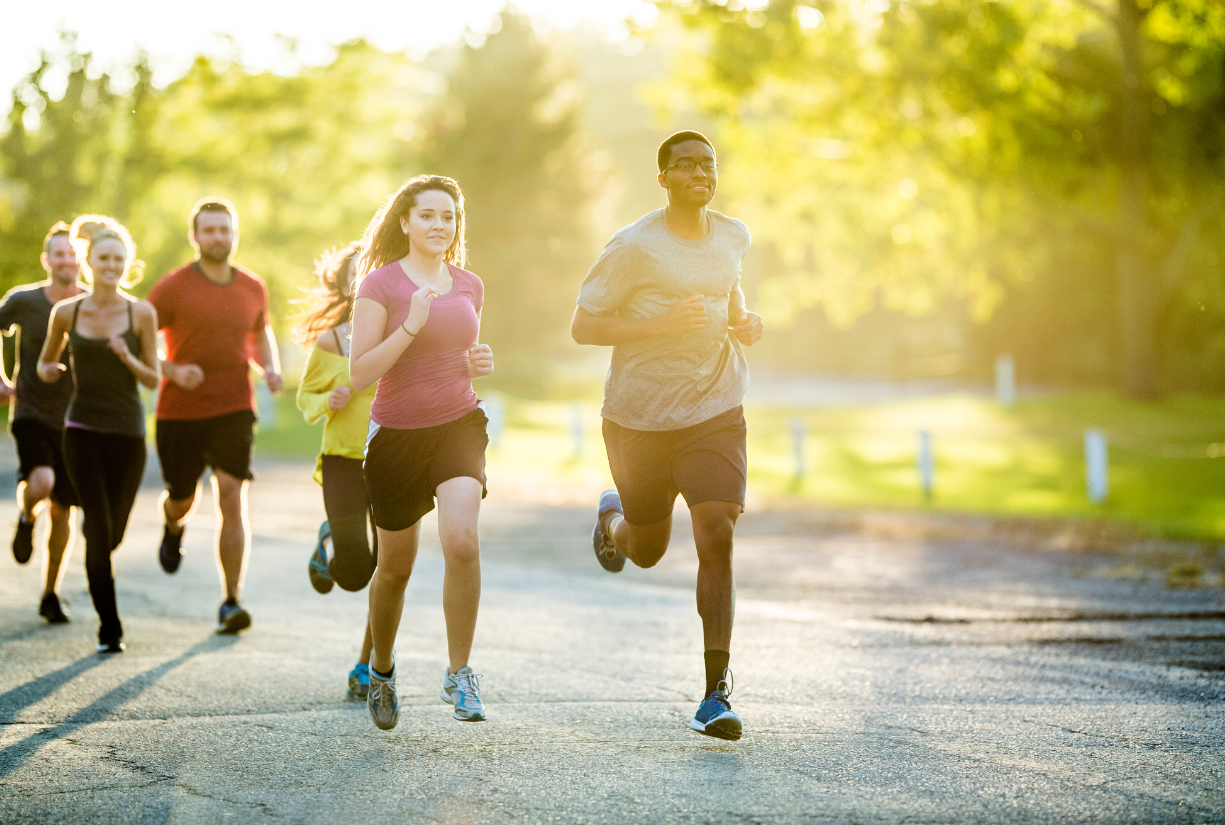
[1043,177]
[307,158]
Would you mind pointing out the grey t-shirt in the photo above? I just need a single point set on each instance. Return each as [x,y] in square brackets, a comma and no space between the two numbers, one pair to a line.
[665,383]
[27,308]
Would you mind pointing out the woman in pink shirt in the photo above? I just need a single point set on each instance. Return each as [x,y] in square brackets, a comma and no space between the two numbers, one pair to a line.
[415,325]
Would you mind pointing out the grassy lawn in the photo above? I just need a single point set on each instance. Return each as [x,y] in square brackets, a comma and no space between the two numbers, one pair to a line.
[1028,461]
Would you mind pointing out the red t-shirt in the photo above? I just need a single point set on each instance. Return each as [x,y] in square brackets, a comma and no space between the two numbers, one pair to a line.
[212,326]
[429,384]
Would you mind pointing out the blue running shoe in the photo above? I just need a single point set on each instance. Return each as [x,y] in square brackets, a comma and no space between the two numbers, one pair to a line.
[359,681]
[321,577]
[464,692]
[382,699]
[231,618]
[605,551]
[715,716]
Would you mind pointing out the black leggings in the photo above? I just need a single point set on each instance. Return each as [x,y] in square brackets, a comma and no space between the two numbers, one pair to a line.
[106,470]
[348,509]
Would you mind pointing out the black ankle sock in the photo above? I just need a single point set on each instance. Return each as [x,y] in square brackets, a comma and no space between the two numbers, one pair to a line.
[716,663]
[381,674]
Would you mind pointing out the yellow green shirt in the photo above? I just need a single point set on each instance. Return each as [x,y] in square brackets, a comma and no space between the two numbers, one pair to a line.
[344,434]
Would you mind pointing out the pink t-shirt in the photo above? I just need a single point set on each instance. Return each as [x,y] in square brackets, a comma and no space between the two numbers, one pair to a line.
[429,384]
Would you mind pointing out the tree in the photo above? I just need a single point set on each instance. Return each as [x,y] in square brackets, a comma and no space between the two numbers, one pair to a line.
[507,131]
[910,152]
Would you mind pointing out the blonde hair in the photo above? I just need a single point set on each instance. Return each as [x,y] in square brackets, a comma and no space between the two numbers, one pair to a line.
[87,230]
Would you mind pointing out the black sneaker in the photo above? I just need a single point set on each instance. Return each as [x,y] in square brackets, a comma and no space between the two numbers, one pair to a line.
[116,646]
[23,540]
[605,551]
[231,618]
[169,553]
[52,610]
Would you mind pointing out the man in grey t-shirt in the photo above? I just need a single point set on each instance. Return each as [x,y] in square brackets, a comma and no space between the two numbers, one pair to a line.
[665,295]
[36,415]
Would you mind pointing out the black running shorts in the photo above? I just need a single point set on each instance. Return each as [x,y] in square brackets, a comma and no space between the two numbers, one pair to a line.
[185,448]
[404,467]
[705,462]
[41,446]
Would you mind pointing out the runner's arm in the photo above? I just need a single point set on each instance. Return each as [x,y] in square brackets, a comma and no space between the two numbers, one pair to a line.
[314,389]
[145,365]
[745,325]
[686,315]
[268,359]
[49,366]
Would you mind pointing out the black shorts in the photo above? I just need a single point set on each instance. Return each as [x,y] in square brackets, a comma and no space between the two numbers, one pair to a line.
[41,446]
[705,462]
[404,467]
[185,448]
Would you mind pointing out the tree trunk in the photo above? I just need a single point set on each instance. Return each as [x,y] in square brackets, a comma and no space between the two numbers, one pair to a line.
[1137,333]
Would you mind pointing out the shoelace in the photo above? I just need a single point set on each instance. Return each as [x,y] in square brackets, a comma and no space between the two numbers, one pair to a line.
[468,684]
[382,698]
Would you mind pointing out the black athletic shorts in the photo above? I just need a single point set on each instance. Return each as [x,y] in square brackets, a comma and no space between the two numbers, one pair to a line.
[41,446]
[705,462]
[404,467]
[185,448]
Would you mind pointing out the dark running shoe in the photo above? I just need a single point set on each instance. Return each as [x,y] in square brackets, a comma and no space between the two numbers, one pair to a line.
[320,576]
[23,540]
[715,716]
[106,648]
[232,618]
[605,551]
[52,610]
[170,553]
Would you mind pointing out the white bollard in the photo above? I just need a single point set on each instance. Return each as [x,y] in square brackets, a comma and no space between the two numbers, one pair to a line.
[495,411]
[265,406]
[1097,465]
[927,468]
[1005,381]
[576,429]
[797,440]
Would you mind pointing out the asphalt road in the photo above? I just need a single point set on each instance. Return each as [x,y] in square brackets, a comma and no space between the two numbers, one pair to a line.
[880,678]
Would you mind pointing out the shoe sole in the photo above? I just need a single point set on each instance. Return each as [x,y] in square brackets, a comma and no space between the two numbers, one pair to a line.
[721,729]
[235,624]
[23,555]
[446,698]
[170,567]
[322,584]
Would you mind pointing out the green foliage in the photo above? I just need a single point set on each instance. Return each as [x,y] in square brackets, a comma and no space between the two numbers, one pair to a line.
[922,155]
[508,131]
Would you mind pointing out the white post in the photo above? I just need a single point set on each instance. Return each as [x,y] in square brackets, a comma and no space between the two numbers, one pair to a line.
[1097,465]
[1005,381]
[265,406]
[797,440]
[495,411]
[927,469]
[576,429]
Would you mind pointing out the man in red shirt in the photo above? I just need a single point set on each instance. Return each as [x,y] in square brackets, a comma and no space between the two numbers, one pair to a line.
[215,319]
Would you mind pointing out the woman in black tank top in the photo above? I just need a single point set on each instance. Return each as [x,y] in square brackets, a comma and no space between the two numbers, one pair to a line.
[111,345]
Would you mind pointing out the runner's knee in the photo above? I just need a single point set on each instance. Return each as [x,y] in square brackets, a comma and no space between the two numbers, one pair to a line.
[40,482]
[460,545]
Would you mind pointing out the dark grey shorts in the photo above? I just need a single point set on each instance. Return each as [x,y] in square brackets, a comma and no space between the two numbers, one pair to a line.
[705,462]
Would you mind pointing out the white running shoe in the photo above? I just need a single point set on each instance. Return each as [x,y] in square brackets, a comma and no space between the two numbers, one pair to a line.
[463,691]
[382,699]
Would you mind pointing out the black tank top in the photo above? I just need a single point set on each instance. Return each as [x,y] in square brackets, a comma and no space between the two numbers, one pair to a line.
[104,395]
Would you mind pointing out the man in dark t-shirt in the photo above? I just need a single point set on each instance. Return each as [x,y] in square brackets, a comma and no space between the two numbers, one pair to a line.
[36,416]
[215,319]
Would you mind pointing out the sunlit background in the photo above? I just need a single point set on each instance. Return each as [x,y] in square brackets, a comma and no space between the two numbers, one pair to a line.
[1000,222]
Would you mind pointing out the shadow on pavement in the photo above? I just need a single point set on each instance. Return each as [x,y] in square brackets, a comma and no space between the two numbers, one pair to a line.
[15,755]
[25,695]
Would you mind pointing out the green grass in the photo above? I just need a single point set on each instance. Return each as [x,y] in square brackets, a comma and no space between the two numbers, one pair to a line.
[1028,461]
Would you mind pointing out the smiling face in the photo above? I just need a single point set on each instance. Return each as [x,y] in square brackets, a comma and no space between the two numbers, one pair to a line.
[60,260]
[694,188]
[108,262]
[214,236]
[430,224]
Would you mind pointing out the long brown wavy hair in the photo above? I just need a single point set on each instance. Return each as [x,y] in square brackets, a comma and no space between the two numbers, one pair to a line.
[328,305]
[384,239]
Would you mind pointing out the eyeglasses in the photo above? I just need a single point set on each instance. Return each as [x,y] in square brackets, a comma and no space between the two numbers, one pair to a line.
[690,165]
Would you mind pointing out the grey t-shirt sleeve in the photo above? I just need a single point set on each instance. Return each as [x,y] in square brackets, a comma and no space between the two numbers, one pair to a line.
[610,282]
[10,311]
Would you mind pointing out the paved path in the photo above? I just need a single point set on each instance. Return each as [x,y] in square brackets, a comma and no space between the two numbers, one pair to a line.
[881,679]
